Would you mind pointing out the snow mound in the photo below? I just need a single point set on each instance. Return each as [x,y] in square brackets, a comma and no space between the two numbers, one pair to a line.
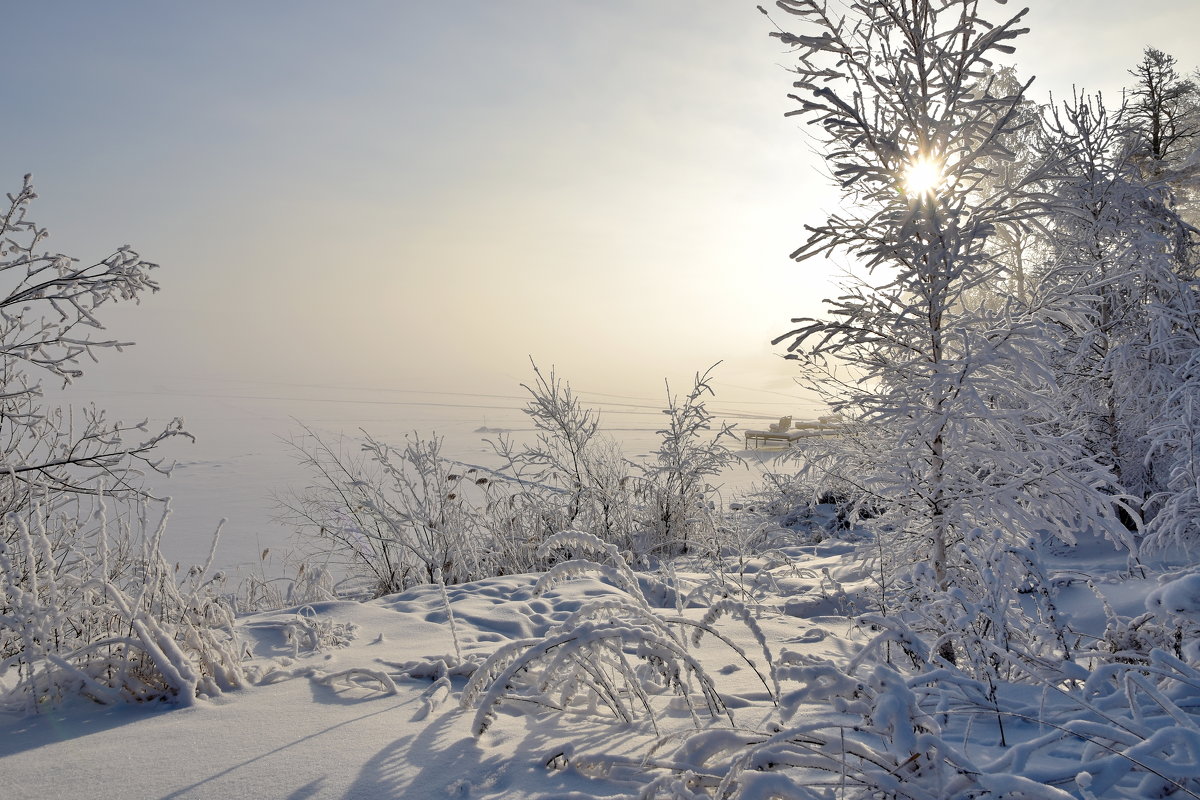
[1176,598]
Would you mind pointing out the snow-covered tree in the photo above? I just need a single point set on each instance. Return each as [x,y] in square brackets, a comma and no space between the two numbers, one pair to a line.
[49,306]
[1164,129]
[1164,107]
[954,403]
[1015,247]
[1115,253]
[88,605]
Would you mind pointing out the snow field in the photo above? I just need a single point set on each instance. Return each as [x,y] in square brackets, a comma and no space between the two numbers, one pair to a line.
[293,735]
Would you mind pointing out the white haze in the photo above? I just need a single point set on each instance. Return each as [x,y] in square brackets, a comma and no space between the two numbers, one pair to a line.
[353,204]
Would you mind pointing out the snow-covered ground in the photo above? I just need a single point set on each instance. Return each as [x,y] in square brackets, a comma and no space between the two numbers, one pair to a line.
[361,700]
[370,700]
[296,736]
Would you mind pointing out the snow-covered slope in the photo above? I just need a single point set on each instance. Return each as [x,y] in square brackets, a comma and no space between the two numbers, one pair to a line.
[352,701]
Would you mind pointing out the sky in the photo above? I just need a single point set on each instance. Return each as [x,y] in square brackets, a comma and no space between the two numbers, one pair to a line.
[424,195]
[357,204]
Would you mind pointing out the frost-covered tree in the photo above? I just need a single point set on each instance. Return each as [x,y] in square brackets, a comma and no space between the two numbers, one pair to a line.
[1164,107]
[49,307]
[1015,247]
[1164,128]
[953,404]
[88,605]
[1116,250]
[1174,443]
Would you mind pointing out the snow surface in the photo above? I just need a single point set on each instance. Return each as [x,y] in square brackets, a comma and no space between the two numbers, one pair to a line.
[299,738]
[385,726]
[1179,597]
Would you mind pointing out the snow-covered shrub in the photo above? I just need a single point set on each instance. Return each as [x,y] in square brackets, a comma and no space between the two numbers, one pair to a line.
[1001,602]
[680,508]
[917,729]
[305,631]
[777,494]
[308,583]
[787,508]
[589,662]
[1171,623]
[401,516]
[572,475]
[1036,714]
[1177,598]
[878,741]
[89,611]
[88,606]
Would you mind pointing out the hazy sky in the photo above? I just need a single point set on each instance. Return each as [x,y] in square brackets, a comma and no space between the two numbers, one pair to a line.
[420,194]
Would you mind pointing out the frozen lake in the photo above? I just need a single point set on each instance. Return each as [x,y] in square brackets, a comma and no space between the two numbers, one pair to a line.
[241,460]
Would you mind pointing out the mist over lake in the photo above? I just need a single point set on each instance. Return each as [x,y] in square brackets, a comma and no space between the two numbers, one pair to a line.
[242,459]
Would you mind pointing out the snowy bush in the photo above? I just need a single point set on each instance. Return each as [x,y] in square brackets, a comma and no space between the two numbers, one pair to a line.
[91,609]
[897,721]
[572,475]
[407,515]
[399,515]
[88,606]
[308,583]
[681,512]
[589,662]
[580,480]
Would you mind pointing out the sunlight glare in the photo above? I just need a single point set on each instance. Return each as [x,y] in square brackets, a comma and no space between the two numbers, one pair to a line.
[923,176]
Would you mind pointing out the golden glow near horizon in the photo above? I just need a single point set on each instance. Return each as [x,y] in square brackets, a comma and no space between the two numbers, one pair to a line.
[464,231]
[923,176]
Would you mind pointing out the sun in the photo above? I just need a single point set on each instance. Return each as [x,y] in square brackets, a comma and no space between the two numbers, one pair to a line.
[923,176]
